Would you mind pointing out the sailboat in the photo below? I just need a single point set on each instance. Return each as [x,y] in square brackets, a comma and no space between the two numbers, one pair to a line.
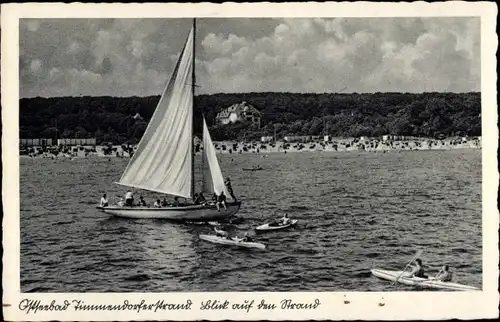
[164,159]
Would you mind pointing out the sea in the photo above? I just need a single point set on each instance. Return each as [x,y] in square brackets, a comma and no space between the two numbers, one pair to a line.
[356,211]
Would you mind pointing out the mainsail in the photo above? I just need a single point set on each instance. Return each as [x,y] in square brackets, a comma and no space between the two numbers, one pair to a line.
[213,164]
[163,159]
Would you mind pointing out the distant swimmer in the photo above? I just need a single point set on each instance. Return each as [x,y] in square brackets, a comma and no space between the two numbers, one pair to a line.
[104,201]
[418,270]
[444,274]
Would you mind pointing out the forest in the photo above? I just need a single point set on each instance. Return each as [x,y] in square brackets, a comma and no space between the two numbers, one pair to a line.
[111,119]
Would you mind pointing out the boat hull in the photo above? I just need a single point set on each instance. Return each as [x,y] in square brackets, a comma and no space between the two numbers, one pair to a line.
[191,213]
[230,242]
[420,282]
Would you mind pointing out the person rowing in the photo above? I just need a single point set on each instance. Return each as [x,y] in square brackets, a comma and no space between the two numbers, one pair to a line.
[247,238]
[444,274]
[221,233]
[417,270]
[285,220]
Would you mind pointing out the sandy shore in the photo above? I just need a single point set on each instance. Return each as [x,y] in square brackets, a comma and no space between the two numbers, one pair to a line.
[336,145]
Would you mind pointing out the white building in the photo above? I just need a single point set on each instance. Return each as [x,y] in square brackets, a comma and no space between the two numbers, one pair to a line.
[239,112]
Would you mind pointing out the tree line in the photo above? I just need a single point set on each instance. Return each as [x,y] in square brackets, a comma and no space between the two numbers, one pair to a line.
[111,119]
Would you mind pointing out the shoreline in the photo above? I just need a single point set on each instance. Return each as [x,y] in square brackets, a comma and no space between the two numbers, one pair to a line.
[235,147]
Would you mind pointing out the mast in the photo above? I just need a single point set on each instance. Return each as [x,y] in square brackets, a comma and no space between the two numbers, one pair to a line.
[193,84]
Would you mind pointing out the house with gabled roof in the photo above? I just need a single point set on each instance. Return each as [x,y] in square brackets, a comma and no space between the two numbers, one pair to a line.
[239,112]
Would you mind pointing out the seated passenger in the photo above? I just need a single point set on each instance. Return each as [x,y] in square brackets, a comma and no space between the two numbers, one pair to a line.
[164,202]
[104,201]
[129,199]
[221,200]
[418,270]
[445,275]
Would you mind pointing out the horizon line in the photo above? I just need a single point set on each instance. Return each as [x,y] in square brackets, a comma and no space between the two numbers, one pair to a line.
[270,92]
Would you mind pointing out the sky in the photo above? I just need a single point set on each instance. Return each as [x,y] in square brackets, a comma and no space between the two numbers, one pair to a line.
[134,57]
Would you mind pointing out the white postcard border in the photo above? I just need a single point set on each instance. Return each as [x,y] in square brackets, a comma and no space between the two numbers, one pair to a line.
[334,305]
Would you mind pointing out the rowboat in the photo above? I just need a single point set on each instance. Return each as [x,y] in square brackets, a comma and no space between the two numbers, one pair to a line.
[235,241]
[164,159]
[403,278]
[276,226]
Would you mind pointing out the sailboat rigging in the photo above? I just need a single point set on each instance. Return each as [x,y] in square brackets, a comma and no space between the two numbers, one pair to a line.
[164,159]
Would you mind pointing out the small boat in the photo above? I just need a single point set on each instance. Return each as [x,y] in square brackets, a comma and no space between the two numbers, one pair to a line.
[276,226]
[402,277]
[164,159]
[252,169]
[234,241]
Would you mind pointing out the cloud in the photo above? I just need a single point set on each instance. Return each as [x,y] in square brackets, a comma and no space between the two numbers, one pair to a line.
[366,55]
[127,57]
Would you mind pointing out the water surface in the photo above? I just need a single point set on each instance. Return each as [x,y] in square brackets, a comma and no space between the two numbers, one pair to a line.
[356,211]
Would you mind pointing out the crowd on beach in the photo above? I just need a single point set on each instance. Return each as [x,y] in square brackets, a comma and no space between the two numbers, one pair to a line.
[230,147]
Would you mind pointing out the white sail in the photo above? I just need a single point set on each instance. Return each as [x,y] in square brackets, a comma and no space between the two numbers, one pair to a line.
[208,187]
[163,159]
[213,163]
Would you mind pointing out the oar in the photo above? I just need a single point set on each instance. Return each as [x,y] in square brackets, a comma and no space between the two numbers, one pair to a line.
[419,252]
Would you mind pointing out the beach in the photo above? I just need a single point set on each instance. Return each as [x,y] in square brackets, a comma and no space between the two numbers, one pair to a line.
[235,147]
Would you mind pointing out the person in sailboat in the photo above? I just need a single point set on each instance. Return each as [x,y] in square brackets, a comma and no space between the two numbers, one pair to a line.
[157,203]
[230,188]
[199,199]
[196,199]
[202,198]
[129,199]
[214,198]
[417,270]
[221,200]
[104,201]
[142,202]
[164,202]
[176,202]
[444,274]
